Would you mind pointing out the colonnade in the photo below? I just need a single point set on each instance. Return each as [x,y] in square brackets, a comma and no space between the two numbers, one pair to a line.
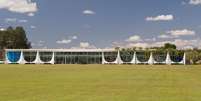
[118,60]
[151,60]
[36,61]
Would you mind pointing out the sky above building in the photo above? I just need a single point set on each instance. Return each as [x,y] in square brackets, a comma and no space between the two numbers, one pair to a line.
[105,23]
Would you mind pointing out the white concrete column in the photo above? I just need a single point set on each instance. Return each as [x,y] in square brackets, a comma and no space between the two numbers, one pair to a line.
[103,58]
[119,61]
[184,59]
[151,59]
[37,60]
[52,60]
[21,60]
[168,59]
[133,61]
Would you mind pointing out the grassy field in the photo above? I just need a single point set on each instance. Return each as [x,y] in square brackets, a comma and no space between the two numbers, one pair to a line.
[99,83]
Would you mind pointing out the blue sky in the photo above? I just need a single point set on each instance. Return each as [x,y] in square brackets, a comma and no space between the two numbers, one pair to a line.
[105,23]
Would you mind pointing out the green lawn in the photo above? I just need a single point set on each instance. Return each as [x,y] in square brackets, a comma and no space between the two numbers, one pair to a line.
[99,83]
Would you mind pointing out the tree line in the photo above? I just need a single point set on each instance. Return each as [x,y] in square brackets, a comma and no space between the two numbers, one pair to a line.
[14,38]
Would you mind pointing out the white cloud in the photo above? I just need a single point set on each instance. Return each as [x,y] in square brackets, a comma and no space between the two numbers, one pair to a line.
[38,44]
[64,41]
[22,21]
[86,45]
[74,37]
[150,39]
[33,27]
[164,36]
[67,40]
[183,32]
[41,43]
[140,44]
[19,6]
[134,38]
[30,14]
[160,18]
[167,36]
[10,20]
[88,12]
[195,2]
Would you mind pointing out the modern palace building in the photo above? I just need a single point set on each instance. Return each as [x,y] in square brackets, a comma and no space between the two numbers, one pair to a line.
[88,56]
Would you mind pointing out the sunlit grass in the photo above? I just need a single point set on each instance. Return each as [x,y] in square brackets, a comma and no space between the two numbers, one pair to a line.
[100,83]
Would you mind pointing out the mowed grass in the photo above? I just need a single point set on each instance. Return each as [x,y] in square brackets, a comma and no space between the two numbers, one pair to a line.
[100,83]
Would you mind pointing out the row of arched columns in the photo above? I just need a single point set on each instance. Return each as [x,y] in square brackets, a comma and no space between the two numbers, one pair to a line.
[118,59]
[151,60]
[36,61]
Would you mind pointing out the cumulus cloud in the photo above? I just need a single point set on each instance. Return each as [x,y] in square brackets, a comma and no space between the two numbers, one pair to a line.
[67,40]
[33,27]
[39,44]
[10,20]
[64,41]
[30,14]
[160,18]
[195,2]
[134,38]
[183,32]
[140,44]
[22,21]
[19,6]
[164,36]
[74,37]
[86,45]
[150,39]
[88,12]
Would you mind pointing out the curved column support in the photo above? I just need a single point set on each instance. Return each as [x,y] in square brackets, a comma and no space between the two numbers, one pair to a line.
[103,58]
[151,59]
[184,59]
[168,59]
[52,60]
[133,61]
[137,61]
[119,61]
[21,60]
[37,60]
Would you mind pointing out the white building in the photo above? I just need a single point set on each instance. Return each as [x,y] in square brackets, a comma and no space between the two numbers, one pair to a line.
[88,56]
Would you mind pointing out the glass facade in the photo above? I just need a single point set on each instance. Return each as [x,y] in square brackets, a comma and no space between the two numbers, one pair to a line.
[110,56]
[29,56]
[13,56]
[143,56]
[45,56]
[159,56]
[78,58]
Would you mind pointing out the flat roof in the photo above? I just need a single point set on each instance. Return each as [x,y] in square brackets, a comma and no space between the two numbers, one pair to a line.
[63,50]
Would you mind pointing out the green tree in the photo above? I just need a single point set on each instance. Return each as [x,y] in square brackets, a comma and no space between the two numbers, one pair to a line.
[14,39]
[170,46]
